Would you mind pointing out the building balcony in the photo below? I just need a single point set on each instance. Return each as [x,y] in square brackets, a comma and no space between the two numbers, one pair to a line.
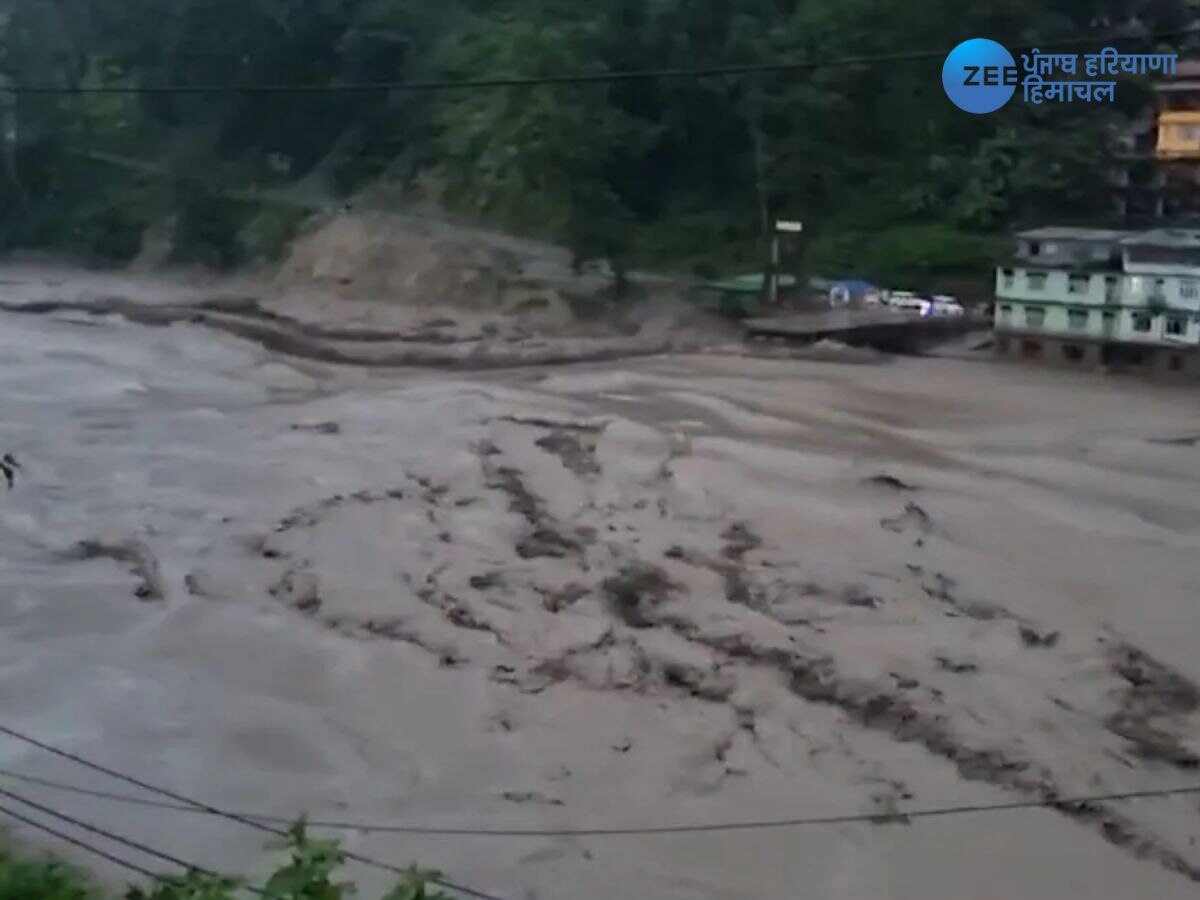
[1178,135]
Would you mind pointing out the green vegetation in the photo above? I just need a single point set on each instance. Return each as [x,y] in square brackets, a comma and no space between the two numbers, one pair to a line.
[309,873]
[41,880]
[889,177]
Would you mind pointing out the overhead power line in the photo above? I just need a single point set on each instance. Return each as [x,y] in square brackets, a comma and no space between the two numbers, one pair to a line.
[780,66]
[76,842]
[212,810]
[632,831]
[104,833]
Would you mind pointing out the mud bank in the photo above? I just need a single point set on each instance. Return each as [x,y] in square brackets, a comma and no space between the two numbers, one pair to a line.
[426,346]
[673,591]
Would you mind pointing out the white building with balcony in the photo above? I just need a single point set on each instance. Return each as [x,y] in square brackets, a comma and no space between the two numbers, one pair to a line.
[1114,297]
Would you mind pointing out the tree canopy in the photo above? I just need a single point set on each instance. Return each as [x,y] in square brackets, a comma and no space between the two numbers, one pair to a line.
[673,169]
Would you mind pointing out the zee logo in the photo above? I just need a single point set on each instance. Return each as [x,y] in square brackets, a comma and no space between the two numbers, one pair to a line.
[991,76]
[980,76]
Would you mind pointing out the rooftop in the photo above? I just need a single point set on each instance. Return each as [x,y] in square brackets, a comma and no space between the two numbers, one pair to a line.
[1182,86]
[1057,233]
[749,284]
[1185,238]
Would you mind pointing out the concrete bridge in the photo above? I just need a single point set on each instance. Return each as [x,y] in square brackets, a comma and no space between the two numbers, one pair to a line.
[884,329]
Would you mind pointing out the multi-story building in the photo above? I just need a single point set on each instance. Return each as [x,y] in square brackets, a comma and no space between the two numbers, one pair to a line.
[1117,298]
[1158,179]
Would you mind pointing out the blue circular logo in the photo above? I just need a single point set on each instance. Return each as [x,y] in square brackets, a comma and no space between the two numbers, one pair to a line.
[979,76]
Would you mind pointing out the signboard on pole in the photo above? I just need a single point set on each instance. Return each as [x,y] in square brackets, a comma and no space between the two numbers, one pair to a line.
[789,226]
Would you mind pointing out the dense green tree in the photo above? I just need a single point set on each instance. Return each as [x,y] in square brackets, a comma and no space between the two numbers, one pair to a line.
[672,168]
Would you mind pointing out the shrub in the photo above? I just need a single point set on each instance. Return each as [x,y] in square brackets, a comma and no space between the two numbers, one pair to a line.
[267,236]
[207,229]
[309,873]
[40,880]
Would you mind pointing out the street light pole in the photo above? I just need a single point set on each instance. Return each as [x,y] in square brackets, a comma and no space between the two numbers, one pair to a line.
[782,226]
[773,290]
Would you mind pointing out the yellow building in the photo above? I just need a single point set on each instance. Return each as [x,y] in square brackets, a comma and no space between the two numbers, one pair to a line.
[1178,134]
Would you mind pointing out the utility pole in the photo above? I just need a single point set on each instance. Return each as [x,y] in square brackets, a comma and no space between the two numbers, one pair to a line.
[782,226]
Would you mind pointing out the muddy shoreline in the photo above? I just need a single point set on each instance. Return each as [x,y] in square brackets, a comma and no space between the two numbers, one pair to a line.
[424,348]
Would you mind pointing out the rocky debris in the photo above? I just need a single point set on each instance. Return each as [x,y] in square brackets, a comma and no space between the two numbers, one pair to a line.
[531,797]
[857,595]
[546,543]
[817,680]
[739,540]
[1151,707]
[634,592]
[486,582]
[1189,440]
[197,585]
[1031,637]
[888,804]
[545,538]
[575,455]
[133,553]
[954,667]
[729,643]
[703,684]
[298,588]
[319,427]
[556,600]
[891,481]
[308,516]
[555,425]
[904,683]
[912,519]
[944,589]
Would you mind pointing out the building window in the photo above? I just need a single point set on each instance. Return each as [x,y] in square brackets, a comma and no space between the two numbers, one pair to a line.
[1035,316]
[1188,289]
[1078,284]
[1005,312]
[1035,249]
[1158,293]
[1006,277]
[1031,349]
[1142,322]
[1072,353]
[1035,281]
[1077,319]
[1176,326]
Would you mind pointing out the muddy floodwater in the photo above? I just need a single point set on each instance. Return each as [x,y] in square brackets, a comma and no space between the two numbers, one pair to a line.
[671,591]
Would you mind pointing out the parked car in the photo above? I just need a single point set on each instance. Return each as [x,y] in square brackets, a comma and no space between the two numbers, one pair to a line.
[908,302]
[945,305]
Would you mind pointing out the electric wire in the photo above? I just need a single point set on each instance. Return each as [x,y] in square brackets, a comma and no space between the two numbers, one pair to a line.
[1065,802]
[716,71]
[76,842]
[233,817]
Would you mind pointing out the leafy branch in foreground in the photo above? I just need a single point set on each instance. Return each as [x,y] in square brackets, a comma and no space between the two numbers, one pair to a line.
[309,873]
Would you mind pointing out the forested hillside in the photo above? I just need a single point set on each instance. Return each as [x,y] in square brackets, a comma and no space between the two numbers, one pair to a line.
[888,175]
